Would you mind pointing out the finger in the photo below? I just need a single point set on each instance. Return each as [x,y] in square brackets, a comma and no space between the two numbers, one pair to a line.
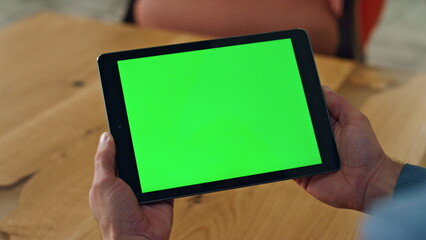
[105,158]
[302,181]
[297,180]
[333,102]
[171,202]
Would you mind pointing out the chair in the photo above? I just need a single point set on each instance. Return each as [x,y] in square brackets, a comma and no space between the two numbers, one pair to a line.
[129,18]
[356,25]
[354,28]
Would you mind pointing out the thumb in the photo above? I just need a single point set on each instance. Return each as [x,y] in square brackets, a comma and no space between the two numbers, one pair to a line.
[333,101]
[105,158]
[339,108]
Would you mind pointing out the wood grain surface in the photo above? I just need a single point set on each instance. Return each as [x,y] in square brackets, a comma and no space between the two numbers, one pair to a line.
[53,113]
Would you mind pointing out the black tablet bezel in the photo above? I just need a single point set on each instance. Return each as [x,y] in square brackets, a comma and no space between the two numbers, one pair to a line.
[119,126]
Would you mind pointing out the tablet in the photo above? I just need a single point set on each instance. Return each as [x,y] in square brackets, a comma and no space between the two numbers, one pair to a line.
[219,114]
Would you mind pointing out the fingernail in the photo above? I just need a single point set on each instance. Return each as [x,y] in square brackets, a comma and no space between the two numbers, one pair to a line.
[104,137]
[326,88]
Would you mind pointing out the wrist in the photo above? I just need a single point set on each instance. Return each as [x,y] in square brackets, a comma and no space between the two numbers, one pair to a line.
[383,181]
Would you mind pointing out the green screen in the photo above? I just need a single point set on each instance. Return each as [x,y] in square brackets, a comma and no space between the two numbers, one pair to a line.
[216,114]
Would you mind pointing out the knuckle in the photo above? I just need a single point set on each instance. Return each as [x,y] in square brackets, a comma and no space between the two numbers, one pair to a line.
[100,156]
[98,186]
[95,188]
[92,191]
[360,117]
[99,159]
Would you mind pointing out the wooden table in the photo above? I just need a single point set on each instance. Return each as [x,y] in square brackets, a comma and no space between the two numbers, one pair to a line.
[52,114]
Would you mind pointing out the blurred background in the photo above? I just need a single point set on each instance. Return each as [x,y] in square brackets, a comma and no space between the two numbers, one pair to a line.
[398,42]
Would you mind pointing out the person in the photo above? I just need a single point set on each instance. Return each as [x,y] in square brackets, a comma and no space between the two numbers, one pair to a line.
[367,175]
[224,18]
[336,27]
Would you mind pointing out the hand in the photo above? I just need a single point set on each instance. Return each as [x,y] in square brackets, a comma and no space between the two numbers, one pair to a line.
[115,206]
[366,172]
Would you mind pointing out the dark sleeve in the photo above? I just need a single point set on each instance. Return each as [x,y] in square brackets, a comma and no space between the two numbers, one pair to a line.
[412,178]
[402,217]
